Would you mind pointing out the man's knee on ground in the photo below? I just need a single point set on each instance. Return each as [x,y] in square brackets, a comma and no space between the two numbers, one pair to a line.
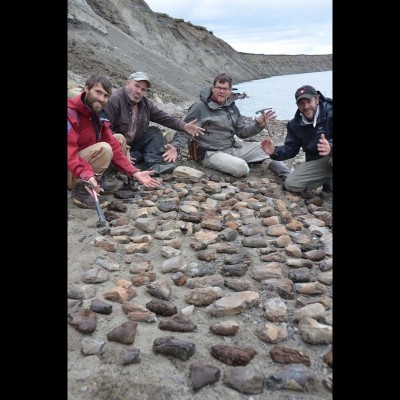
[292,185]
[240,169]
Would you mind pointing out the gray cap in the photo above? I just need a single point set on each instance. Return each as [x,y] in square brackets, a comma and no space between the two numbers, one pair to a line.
[140,76]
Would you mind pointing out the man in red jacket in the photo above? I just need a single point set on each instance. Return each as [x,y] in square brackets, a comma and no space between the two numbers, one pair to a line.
[92,146]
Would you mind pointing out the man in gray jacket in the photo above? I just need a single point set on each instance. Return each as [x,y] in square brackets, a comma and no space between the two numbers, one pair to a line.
[130,113]
[218,148]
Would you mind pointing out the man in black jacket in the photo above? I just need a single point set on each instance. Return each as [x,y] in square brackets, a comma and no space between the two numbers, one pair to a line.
[130,113]
[311,130]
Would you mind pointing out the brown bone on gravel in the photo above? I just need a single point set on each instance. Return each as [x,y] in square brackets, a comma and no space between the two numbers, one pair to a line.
[238,285]
[286,355]
[142,316]
[143,278]
[83,321]
[194,218]
[128,307]
[120,294]
[171,346]
[74,306]
[238,258]
[130,356]
[226,328]
[179,278]
[100,307]
[232,355]
[167,206]
[121,221]
[234,269]
[196,246]
[160,289]
[162,307]
[203,374]
[116,205]
[109,215]
[124,333]
[178,323]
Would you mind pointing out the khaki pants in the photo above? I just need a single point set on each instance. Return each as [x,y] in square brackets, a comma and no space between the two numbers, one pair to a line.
[310,174]
[99,156]
[234,160]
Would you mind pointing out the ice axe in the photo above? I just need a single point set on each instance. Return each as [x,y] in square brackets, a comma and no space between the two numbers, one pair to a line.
[262,111]
[92,191]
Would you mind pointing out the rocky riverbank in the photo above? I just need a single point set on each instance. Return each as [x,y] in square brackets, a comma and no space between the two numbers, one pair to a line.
[211,287]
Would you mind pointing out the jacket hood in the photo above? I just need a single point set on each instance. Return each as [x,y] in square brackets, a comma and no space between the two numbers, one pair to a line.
[321,96]
[205,96]
[77,103]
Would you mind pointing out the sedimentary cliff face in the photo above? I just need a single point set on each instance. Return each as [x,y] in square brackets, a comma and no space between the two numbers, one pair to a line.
[117,37]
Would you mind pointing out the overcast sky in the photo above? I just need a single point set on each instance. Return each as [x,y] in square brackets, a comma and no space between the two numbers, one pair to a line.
[262,27]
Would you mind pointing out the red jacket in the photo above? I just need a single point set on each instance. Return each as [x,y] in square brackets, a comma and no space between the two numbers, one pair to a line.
[81,134]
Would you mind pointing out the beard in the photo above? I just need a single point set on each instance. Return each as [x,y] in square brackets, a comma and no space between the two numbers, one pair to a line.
[94,103]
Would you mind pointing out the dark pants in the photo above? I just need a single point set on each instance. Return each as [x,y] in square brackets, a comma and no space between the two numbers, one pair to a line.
[149,148]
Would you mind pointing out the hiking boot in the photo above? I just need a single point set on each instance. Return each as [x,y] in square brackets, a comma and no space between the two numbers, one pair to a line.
[317,201]
[109,185]
[327,189]
[126,192]
[159,169]
[306,194]
[277,167]
[327,186]
[325,195]
[83,199]
[128,189]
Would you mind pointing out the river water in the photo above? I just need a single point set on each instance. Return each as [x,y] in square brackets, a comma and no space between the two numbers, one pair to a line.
[277,92]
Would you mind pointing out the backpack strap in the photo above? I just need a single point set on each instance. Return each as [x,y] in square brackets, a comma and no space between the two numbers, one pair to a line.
[74,115]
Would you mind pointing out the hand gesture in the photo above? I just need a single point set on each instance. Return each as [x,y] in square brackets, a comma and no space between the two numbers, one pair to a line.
[267,116]
[268,145]
[145,179]
[324,148]
[170,154]
[193,129]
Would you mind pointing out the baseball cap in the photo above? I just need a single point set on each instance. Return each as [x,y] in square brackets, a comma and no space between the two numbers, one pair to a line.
[140,76]
[305,92]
